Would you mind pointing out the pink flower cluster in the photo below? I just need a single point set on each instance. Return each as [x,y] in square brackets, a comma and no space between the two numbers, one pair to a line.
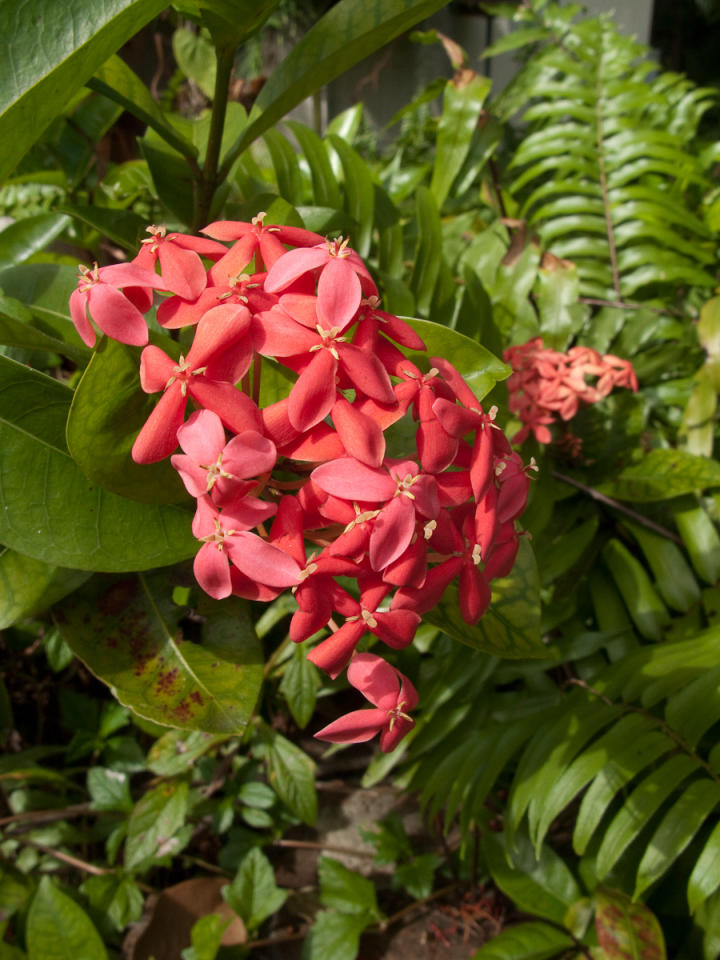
[315,462]
[546,384]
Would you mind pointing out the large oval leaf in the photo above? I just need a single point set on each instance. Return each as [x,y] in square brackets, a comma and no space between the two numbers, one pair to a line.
[663,474]
[480,368]
[107,412]
[627,930]
[29,586]
[511,627]
[75,38]
[132,635]
[58,929]
[48,508]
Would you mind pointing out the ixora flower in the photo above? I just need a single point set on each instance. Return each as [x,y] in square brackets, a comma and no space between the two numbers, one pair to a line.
[281,397]
[390,693]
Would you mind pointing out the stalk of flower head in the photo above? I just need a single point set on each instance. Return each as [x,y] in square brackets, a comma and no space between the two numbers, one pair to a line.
[304,494]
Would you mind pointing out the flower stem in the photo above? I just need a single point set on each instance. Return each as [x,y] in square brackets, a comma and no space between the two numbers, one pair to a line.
[209,183]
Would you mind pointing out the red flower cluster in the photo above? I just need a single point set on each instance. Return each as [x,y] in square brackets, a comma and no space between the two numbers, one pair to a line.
[315,463]
[546,384]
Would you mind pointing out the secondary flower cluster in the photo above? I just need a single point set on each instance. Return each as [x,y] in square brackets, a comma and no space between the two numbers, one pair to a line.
[546,385]
[305,494]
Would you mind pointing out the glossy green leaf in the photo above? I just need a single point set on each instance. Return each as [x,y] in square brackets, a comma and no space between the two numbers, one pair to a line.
[123,227]
[172,177]
[335,935]
[462,103]
[285,163]
[154,822]
[627,930]
[673,577]
[103,424]
[678,827]
[542,886]
[480,368]
[558,288]
[50,510]
[131,635]
[558,786]
[75,39]
[345,890]
[639,806]
[326,192]
[253,894]
[645,606]
[45,289]
[117,81]
[291,773]
[359,192]
[299,685]
[109,789]
[526,941]
[705,878]
[59,929]
[18,329]
[515,40]
[700,537]
[28,586]
[662,474]
[428,253]
[697,427]
[195,55]
[206,938]
[348,32]
[511,627]
[21,239]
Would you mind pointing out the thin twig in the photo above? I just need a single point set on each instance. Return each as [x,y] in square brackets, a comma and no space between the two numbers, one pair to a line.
[616,505]
[333,848]
[47,816]
[79,864]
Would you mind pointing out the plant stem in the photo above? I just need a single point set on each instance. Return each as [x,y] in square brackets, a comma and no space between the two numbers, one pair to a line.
[616,505]
[209,183]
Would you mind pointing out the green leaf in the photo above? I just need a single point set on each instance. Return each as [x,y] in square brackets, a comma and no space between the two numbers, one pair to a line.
[117,81]
[673,576]
[544,887]
[515,40]
[176,751]
[462,103]
[21,239]
[558,287]
[18,329]
[154,822]
[700,537]
[103,424]
[253,894]
[287,171]
[171,174]
[291,774]
[526,941]
[29,586]
[58,929]
[663,474]
[122,227]
[648,612]
[299,685]
[206,936]
[115,896]
[679,826]
[347,33]
[428,253]
[45,288]
[131,635]
[109,790]
[335,935]
[75,39]
[705,878]
[627,930]
[480,368]
[511,627]
[345,890]
[50,510]
[326,192]
[359,193]
[195,55]
[642,803]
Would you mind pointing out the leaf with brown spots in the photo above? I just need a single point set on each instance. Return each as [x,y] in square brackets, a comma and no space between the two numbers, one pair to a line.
[627,930]
[132,635]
